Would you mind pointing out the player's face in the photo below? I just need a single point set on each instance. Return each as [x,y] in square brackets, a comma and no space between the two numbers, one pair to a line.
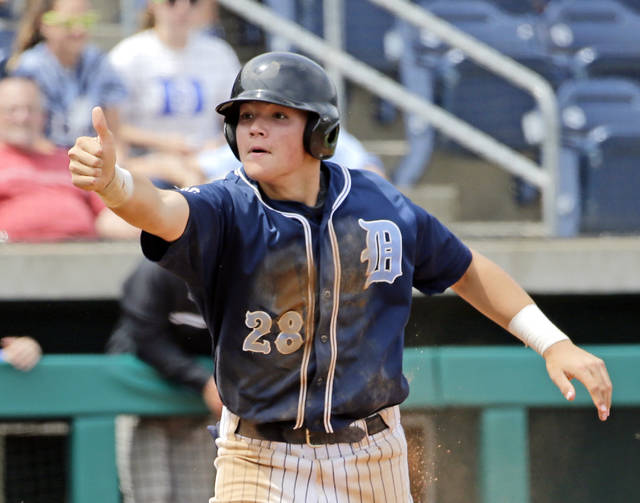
[269,139]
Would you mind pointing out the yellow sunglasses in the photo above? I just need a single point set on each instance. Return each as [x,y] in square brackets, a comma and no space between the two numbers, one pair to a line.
[173,2]
[84,21]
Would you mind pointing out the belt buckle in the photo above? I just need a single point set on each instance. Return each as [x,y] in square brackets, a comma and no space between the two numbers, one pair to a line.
[307,436]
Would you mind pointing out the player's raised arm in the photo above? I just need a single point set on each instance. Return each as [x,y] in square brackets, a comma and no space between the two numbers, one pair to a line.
[495,294]
[92,163]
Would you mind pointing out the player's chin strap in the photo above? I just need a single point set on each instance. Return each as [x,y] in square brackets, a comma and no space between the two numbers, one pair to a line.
[119,190]
[533,328]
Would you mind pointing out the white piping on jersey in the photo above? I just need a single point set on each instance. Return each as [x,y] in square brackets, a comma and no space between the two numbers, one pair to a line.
[189,319]
[337,275]
[302,396]
[333,332]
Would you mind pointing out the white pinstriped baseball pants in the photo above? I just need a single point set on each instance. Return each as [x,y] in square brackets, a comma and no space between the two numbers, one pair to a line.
[258,471]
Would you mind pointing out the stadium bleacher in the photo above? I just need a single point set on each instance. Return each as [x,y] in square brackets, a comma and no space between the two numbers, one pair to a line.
[586,105]
[611,179]
[592,37]
[463,87]
[365,26]
[569,40]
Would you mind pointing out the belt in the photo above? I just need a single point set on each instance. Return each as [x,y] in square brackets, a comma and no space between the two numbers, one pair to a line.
[283,432]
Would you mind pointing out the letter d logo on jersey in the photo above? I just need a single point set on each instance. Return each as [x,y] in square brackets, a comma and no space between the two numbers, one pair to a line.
[383,251]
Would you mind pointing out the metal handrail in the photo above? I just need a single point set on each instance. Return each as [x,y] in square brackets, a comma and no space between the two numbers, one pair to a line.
[387,88]
[510,70]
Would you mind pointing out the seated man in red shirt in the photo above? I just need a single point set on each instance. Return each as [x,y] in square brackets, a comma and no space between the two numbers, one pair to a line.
[37,199]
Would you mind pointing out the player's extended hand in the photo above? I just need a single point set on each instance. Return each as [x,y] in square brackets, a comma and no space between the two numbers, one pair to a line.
[566,361]
[92,159]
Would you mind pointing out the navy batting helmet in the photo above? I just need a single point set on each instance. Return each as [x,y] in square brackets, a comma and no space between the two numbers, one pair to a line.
[294,81]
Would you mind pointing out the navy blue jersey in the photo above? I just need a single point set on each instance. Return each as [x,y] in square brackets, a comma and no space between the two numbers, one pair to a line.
[307,308]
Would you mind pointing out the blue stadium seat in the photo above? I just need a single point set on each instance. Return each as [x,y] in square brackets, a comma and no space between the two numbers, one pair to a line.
[586,104]
[365,30]
[513,6]
[522,6]
[6,41]
[365,26]
[611,181]
[593,37]
[464,88]
[634,4]
[586,107]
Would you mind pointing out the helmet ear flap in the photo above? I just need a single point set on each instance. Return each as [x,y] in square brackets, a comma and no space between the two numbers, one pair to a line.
[230,135]
[320,136]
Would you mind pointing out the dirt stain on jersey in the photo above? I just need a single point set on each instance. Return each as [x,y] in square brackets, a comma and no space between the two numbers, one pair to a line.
[282,281]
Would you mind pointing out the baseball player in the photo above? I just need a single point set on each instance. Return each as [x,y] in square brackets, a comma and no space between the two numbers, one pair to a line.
[303,271]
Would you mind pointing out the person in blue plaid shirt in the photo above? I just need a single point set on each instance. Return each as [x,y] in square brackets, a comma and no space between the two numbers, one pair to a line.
[52,47]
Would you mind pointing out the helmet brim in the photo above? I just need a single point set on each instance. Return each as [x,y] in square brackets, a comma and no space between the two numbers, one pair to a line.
[229,107]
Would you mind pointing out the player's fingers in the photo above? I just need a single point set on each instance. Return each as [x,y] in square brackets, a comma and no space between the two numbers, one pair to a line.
[601,388]
[100,125]
[563,383]
[594,376]
[82,169]
[85,167]
[86,182]
[607,380]
[86,149]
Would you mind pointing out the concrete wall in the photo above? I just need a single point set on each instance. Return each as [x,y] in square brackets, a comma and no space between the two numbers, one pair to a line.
[84,271]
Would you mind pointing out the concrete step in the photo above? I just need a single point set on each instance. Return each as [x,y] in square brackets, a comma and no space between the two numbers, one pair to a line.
[498,229]
[441,200]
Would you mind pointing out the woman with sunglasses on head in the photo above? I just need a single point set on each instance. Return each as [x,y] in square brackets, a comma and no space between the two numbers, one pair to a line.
[52,47]
[175,74]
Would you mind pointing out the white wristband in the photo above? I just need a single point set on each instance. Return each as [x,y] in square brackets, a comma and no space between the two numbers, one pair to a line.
[533,328]
[119,190]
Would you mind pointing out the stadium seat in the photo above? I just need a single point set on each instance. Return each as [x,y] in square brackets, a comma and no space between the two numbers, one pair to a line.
[590,108]
[585,106]
[513,6]
[593,37]
[365,26]
[522,6]
[634,4]
[485,100]
[6,41]
[611,181]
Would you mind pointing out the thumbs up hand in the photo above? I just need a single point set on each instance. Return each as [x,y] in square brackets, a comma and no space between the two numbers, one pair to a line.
[92,159]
